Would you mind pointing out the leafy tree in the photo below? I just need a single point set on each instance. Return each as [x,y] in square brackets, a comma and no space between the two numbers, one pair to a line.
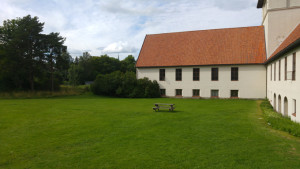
[128,64]
[25,56]
[73,75]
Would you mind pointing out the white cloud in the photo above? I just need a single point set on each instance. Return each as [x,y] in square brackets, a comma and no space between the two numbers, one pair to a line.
[119,47]
[120,26]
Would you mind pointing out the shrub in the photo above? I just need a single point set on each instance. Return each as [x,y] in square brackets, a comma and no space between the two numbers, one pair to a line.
[279,122]
[107,84]
[125,85]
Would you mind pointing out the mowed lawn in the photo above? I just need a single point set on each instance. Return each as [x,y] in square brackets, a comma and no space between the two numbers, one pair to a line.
[96,132]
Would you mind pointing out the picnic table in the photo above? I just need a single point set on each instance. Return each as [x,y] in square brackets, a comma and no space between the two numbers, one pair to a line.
[168,106]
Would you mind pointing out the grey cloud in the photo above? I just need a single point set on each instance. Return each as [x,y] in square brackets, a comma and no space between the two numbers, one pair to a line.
[235,4]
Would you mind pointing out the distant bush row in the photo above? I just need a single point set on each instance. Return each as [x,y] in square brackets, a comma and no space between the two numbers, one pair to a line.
[279,122]
[125,85]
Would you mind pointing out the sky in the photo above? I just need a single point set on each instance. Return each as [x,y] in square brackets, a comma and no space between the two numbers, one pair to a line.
[118,27]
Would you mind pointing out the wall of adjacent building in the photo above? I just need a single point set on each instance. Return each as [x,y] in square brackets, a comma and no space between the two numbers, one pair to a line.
[279,21]
[284,88]
[251,83]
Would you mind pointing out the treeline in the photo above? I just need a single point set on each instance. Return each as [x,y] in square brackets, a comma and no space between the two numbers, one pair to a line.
[31,60]
[86,68]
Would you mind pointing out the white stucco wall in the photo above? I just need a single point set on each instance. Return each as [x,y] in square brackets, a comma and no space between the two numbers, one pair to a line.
[277,4]
[251,84]
[279,22]
[289,89]
[294,3]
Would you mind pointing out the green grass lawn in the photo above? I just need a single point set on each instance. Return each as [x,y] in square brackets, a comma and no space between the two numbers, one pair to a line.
[96,132]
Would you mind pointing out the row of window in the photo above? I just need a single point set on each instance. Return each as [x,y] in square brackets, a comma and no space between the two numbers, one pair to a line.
[196,74]
[196,93]
[274,66]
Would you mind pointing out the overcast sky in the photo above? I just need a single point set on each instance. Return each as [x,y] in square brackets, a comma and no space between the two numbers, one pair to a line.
[119,26]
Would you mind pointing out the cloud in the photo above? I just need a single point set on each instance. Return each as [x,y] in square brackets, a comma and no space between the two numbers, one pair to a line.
[119,47]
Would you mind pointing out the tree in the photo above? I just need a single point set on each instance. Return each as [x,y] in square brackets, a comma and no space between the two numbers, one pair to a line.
[55,48]
[22,41]
[128,64]
[73,75]
[25,55]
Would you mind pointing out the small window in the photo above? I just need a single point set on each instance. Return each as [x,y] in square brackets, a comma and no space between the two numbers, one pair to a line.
[275,71]
[162,74]
[214,74]
[196,74]
[163,92]
[285,68]
[271,72]
[234,74]
[178,92]
[234,93]
[279,71]
[178,74]
[294,67]
[214,93]
[196,92]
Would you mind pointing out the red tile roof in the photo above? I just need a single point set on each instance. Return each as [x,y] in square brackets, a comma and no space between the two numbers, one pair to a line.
[293,37]
[207,47]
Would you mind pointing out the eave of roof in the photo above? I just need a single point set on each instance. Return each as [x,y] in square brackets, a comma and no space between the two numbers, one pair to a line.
[284,51]
[291,42]
[260,3]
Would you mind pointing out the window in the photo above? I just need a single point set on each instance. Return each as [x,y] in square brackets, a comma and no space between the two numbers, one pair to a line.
[196,74]
[294,67]
[234,74]
[214,93]
[275,71]
[178,74]
[285,68]
[162,74]
[279,72]
[178,92]
[214,74]
[271,71]
[196,92]
[234,93]
[163,92]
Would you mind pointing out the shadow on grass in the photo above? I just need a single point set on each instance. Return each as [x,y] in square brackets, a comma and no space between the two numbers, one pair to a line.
[167,111]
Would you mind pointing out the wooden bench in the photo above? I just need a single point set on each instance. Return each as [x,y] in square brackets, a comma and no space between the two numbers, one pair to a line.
[168,106]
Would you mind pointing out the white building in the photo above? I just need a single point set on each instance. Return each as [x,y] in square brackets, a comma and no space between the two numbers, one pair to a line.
[250,62]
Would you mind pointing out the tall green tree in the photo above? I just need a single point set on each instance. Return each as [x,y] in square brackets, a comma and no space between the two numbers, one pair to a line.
[25,57]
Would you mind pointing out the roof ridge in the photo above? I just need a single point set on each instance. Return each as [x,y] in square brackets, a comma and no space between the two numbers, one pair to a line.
[206,30]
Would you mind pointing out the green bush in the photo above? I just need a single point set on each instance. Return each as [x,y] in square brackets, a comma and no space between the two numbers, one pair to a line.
[125,85]
[279,122]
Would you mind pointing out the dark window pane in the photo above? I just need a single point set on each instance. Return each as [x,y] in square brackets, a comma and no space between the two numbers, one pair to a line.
[285,68]
[196,92]
[178,92]
[214,93]
[178,74]
[214,74]
[294,67]
[234,93]
[279,75]
[162,92]
[234,73]
[196,74]
[162,74]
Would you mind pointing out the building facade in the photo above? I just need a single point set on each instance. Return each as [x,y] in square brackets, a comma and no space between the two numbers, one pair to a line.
[250,62]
